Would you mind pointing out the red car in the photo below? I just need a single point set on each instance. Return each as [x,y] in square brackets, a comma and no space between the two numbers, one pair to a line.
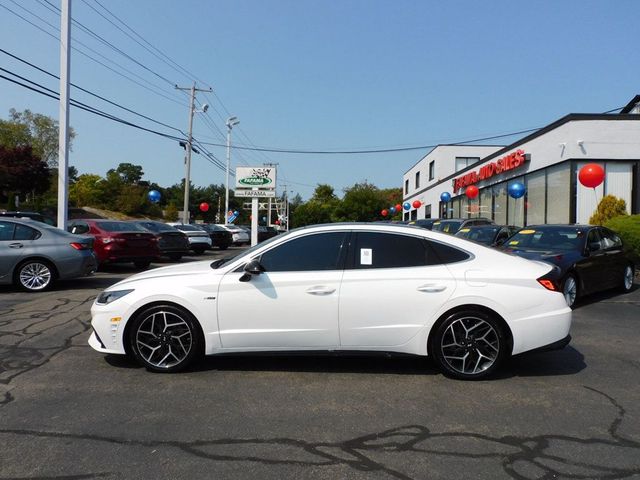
[118,242]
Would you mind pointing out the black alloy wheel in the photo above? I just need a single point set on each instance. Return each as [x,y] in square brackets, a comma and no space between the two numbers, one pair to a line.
[165,338]
[469,345]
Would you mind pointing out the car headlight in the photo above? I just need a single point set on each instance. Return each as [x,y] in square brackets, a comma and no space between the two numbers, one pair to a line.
[106,298]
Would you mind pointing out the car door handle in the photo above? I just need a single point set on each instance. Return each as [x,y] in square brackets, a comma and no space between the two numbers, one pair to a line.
[320,290]
[432,288]
[15,245]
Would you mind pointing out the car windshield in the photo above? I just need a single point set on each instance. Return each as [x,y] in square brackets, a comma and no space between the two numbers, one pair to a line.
[479,234]
[566,239]
[447,226]
[121,227]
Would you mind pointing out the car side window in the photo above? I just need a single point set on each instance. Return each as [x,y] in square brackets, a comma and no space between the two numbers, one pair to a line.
[446,253]
[320,251]
[610,239]
[389,250]
[593,240]
[22,232]
[6,231]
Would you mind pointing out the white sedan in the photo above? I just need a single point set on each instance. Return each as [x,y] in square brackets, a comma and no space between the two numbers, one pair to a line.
[368,287]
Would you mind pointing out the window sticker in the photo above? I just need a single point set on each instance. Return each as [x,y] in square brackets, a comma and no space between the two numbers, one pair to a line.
[366,256]
[465,230]
[514,242]
[527,232]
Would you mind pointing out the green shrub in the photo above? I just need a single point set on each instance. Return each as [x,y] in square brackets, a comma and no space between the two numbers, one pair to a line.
[628,227]
[608,208]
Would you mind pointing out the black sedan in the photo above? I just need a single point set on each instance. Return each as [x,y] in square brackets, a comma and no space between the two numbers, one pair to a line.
[590,258]
[171,241]
[491,235]
[220,236]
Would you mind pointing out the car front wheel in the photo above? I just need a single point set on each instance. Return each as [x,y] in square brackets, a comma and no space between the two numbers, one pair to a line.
[165,338]
[627,279]
[34,276]
[570,290]
[469,345]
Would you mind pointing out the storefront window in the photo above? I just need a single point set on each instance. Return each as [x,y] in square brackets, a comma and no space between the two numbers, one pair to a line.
[535,200]
[500,203]
[558,181]
[516,207]
[486,198]
[454,211]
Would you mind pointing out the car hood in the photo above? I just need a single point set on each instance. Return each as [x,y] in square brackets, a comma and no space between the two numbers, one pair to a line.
[193,268]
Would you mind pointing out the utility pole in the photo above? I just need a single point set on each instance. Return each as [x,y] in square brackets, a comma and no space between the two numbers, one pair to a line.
[272,165]
[231,122]
[63,120]
[187,174]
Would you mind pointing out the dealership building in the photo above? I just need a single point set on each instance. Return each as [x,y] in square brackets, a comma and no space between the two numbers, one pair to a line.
[546,162]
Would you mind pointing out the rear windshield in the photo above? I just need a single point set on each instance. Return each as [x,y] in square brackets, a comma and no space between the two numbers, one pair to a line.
[121,227]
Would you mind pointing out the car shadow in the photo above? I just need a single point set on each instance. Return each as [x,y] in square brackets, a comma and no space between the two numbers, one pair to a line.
[568,361]
[632,296]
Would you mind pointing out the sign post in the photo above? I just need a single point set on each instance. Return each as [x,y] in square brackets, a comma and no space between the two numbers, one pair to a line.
[256,183]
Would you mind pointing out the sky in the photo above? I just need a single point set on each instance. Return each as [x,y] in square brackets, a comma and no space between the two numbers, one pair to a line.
[319,76]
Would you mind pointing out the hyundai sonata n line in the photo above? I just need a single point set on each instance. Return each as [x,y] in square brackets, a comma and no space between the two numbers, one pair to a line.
[340,287]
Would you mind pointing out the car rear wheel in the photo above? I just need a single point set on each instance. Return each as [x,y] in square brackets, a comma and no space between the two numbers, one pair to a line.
[165,338]
[34,276]
[570,289]
[627,280]
[469,345]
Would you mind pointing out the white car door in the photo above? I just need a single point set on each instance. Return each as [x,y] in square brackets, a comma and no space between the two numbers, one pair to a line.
[293,304]
[392,287]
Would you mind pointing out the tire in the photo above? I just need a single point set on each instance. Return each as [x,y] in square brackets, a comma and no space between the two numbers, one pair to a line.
[627,278]
[165,338]
[469,345]
[34,276]
[570,289]
[142,264]
[175,256]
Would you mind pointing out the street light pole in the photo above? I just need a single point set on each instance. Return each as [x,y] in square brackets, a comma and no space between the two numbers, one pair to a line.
[187,173]
[231,122]
[63,120]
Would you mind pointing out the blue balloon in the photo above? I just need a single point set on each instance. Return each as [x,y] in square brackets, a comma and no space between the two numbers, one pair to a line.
[516,190]
[406,206]
[392,210]
[153,196]
[445,196]
[235,212]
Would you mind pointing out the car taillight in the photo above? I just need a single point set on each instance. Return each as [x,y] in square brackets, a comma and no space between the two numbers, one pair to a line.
[79,246]
[548,284]
[154,239]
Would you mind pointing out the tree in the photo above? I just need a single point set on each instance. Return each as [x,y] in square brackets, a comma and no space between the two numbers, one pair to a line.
[129,173]
[88,190]
[361,203]
[608,208]
[171,213]
[34,129]
[21,171]
[319,209]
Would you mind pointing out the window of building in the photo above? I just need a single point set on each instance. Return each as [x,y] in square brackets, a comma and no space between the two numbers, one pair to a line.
[464,162]
[432,169]
[406,186]
[486,202]
[500,204]
[536,198]
[427,211]
[515,206]
[319,251]
[558,193]
[417,180]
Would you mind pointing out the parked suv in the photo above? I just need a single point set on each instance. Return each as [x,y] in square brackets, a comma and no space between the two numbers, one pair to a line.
[171,241]
[118,242]
[452,225]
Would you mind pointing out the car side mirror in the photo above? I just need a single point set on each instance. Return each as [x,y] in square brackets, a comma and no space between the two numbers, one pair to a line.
[254,267]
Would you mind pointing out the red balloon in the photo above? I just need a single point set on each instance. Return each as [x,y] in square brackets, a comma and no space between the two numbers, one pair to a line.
[472,191]
[277,222]
[416,204]
[591,175]
[385,212]
[398,208]
[204,207]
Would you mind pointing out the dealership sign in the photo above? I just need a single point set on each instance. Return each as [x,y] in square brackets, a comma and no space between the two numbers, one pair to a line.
[256,177]
[504,164]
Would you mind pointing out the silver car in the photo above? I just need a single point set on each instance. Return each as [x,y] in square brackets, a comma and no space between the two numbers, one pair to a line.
[33,255]
[199,240]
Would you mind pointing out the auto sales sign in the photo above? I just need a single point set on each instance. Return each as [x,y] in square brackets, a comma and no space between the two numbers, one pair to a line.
[509,162]
[263,178]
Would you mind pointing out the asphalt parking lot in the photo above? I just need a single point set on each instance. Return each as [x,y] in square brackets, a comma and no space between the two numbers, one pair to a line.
[69,412]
